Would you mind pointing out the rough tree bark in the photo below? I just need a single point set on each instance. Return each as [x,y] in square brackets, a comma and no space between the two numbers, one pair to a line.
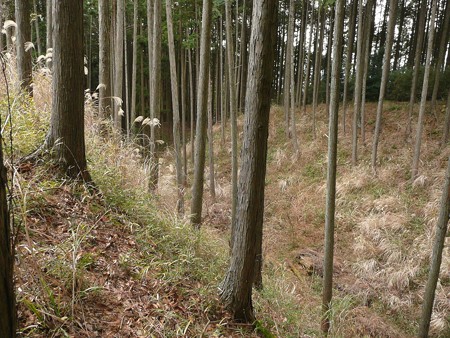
[332,161]
[104,97]
[24,65]
[202,98]
[436,258]
[36,26]
[66,134]
[236,289]
[447,122]
[175,109]
[118,63]
[133,113]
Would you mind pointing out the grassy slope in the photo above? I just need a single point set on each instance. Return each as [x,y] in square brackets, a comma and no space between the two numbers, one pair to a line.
[121,264]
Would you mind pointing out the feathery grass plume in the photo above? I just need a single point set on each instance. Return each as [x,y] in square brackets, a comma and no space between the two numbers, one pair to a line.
[101,86]
[8,24]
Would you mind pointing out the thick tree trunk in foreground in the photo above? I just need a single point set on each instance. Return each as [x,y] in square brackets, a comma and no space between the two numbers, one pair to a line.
[202,100]
[236,289]
[423,101]
[436,258]
[384,80]
[332,161]
[104,97]
[67,120]
[8,301]
[175,109]
[24,65]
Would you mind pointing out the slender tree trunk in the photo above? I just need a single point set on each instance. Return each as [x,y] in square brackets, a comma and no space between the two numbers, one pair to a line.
[288,66]
[155,95]
[301,57]
[426,77]
[447,122]
[202,97]
[358,84]
[308,59]
[233,106]
[133,113]
[127,77]
[191,101]
[317,66]
[118,62]
[384,80]
[399,37]
[236,289]
[24,65]
[212,184]
[175,109]
[420,36]
[184,87]
[49,20]
[436,258]
[332,162]
[440,58]
[243,58]
[348,60]
[36,26]
[329,42]
[371,4]
[104,98]
[66,134]
[223,88]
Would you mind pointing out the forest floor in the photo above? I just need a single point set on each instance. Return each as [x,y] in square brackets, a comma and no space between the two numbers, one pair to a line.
[121,264]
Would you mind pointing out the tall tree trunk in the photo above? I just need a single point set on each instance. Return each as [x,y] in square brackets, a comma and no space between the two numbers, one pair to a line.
[118,64]
[202,98]
[301,56]
[133,113]
[175,109]
[426,77]
[36,26]
[243,58]
[371,4]
[66,134]
[236,289]
[317,63]
[420,36]
[287,70]
[308,60]
[191,104]
[233,118]
[212,184]
[348,60]
[155,95]
[49,19]
[223,88]
[358,84]
[184,87]
[436,258]
[328,76]
[104,98]
[24,65]
[127,76]
[399,37]
[384,80]
[332,161]
[440,58]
